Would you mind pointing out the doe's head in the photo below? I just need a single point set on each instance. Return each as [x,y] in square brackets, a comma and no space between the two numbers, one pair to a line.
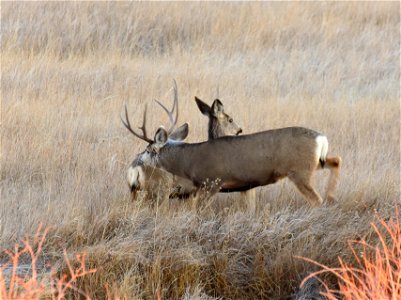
[220,123]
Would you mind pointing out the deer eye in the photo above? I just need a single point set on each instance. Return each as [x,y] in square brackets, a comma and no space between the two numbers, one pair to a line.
[230,120]
[151,150]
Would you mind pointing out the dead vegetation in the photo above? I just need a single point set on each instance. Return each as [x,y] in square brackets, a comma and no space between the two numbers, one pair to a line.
[67,69]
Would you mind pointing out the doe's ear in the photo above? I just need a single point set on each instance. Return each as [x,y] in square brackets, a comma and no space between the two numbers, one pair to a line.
[180,133]
[203,107]
[217,107]
[160,137]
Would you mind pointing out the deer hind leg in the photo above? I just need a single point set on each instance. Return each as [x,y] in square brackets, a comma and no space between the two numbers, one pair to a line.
[303,182]
[334,164]
[250,198]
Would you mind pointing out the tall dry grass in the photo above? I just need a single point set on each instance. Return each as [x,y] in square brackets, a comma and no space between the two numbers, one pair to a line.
[67,68]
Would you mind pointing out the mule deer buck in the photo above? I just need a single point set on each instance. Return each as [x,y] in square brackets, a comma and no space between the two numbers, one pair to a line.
[240,162]
[220,124]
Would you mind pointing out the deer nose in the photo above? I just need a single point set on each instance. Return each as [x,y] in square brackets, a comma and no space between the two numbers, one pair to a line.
[239,131]
[134,188]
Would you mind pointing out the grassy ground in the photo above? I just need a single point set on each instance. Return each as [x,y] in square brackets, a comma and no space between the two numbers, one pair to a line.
[66,70]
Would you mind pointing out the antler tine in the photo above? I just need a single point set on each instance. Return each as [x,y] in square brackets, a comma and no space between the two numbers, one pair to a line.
[173,120]
[143,127]
[169,113]
[175,105]
[127,125]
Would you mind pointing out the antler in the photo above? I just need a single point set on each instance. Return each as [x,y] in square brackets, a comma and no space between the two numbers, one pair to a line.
[143,127]
[173,120]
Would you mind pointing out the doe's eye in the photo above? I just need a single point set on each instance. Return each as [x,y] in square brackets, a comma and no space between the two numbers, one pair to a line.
[230,120]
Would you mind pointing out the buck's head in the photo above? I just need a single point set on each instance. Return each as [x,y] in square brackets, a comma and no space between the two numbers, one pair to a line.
[143,170]
[220,123]
[143,173]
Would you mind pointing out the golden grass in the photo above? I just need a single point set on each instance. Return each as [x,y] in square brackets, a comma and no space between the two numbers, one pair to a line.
[66,70]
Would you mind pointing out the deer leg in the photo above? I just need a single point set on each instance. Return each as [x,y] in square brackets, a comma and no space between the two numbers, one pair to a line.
[334,164]
[250,196]
[303,183]
[195,200]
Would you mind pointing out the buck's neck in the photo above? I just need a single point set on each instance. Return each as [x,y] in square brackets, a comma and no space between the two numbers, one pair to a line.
[171,157]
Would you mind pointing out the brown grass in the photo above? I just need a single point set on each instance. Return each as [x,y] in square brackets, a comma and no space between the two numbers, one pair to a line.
[67,68]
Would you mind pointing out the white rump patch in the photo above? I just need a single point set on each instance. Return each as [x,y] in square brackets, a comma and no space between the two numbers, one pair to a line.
[322,147]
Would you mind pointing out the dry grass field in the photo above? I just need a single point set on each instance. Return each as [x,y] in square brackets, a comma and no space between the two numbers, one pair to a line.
[66,70]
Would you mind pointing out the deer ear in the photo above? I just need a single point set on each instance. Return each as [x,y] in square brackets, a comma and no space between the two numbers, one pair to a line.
[203,107]
[180,133]
[217,107]
[160,137]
